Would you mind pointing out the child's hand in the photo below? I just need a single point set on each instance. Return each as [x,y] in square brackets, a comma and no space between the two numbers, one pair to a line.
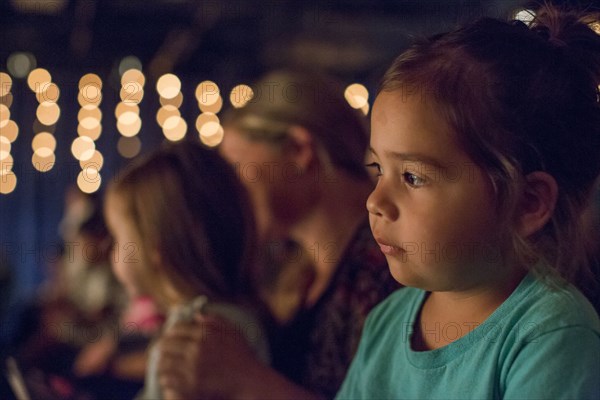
[204,358]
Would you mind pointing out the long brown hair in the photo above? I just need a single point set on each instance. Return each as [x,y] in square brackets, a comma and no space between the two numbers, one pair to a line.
[520,99]
[187,205]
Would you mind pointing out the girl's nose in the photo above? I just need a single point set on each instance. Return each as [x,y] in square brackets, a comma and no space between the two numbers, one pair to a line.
[380,204]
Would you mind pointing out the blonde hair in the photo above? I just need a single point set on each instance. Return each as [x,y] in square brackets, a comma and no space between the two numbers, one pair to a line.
[520,99]
[186,203]
[286,98]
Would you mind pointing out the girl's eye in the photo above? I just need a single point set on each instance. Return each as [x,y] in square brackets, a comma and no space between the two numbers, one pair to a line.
[413,180]
[374,166]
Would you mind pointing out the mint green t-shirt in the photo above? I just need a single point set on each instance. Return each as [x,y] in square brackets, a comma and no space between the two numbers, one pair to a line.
[541,343]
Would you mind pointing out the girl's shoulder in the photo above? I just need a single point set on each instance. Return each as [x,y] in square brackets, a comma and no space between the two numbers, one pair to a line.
[549,304]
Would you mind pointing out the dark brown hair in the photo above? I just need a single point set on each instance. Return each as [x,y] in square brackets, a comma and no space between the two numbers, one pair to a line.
[187,204]
[520,99]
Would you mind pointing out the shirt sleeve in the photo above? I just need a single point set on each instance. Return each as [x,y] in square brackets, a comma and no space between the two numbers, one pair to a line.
[560,364]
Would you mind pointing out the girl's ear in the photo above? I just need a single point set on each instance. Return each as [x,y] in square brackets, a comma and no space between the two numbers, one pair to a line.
[300,147]
[537,203]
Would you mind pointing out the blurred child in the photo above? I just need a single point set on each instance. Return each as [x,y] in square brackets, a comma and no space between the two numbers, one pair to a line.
[486,142]
[184,234]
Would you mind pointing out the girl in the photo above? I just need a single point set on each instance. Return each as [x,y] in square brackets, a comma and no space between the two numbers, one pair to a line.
[183,230]
[486,143]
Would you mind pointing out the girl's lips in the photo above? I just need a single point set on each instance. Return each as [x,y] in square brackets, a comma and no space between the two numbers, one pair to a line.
[388,249]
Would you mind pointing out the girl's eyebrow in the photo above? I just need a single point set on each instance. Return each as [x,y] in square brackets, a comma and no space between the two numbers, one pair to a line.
[416,157]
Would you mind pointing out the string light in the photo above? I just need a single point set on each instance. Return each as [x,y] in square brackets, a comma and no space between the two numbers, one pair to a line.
[8,182]
[89,180]
[357,96]
[129,147]
[168,86]
[241,95]
[127,111]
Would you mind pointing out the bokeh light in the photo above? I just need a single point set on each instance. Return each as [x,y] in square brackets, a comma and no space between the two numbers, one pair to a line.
[5,147]
[6,164]
[10,131]
[207,93]
[44,160]
[43,140]
[5,84]
[48,113]
[213,139]
[8,182]
[7,100]
[175,128]
[89,180]
[166,112]
[241,95]
[176,101]
[357,95]
[168,86]
[83,148]
[212,108]
[49,92]
[93,134]
[96,161]
[20,64]
[129,147]
[38,78]
[129,63]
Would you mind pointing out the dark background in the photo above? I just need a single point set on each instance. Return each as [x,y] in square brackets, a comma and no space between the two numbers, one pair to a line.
[229,42]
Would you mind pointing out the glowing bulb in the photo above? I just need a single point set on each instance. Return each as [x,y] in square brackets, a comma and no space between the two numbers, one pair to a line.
[6,164]
[132,92]
[38,78]
[5,84]
[214,139]
[175,128]
[90,80]
[129,147]
[213,108]
[7,100]
[175,101]
[205,118]
[43,160]
[89,180]
[133,75]
[526,16]
[93,134]
[20,64]
[131,126]
[165,113]
[10,131]
[126,107]
[96,161]
[241,95]
[129,63]
[168,86]
[81,147]
[8,182]
[357,95]
[43,140]
[4,115]
[207,93]
[48,113]
[5,147]
[89,112]
[49,92]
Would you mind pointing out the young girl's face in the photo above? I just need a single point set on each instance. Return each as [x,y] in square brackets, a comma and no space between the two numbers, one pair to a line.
[432,211]
[126,254]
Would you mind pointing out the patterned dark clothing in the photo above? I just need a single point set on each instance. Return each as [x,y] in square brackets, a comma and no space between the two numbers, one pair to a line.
[315,349]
